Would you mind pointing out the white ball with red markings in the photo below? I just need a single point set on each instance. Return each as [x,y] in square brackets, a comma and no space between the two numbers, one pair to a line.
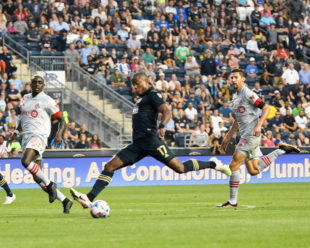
[100,209]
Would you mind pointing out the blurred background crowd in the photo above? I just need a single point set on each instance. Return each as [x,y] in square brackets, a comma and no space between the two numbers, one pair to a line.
[187,48]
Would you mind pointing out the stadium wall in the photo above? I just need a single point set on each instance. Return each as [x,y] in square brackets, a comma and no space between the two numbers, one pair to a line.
[82,172]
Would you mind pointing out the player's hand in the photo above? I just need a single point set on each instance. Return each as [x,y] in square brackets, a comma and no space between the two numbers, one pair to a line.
[257,131]
[161,133]
[58,140]
[223,146]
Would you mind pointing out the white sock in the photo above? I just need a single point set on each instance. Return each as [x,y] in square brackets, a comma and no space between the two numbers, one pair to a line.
[234,186]
[35,170]
[265,161]
[60,196]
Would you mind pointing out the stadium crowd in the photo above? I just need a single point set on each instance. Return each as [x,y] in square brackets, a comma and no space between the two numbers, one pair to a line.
[187,51]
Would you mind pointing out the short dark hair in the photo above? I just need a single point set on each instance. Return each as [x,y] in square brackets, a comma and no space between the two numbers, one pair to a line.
[139,76]
[241,72]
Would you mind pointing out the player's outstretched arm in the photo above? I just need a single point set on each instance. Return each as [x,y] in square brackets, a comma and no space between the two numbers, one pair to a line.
[166,116]
[265,113]
[60,131]
[228,136]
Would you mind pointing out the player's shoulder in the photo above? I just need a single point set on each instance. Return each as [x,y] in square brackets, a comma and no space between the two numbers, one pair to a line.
[154,93]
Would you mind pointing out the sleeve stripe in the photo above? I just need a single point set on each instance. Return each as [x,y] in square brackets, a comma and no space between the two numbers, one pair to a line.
[257,102]
[57,114]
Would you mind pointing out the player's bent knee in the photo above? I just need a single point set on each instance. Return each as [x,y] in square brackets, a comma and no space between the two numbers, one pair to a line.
[25,162]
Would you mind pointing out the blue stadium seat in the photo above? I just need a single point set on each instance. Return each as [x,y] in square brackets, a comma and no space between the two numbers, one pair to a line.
[33,46]
[35,53]
[284,135]
[19,37]
[57,53]
[45,53]
[242,64]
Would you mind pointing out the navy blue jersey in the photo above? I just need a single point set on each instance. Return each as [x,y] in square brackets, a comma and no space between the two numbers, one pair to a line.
[145,114]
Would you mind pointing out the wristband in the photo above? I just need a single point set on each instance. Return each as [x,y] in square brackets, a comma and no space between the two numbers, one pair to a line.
[16,132]
[161,126]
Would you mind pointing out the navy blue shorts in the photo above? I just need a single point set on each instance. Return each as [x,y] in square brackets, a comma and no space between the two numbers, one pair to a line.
[151,146]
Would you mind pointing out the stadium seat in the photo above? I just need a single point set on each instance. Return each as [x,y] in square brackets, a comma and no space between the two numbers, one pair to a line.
[242,64]
[35,53]
[33,46]
[57,53]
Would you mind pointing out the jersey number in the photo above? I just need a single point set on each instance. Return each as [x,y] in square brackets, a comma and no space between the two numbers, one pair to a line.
[163,151]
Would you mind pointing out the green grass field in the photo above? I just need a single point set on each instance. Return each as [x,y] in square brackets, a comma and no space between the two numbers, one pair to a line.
[270,215]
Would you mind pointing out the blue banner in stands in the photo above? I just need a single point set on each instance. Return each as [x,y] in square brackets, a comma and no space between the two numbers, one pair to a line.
[82,172]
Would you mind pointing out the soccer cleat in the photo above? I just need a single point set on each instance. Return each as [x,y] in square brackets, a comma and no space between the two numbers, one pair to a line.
[81,198]
[288,148]
[219,166]
[9,199]
[67,204]
[52,191]
[227,205]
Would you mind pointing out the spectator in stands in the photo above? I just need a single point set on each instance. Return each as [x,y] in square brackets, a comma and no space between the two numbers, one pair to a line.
[148,57]
[301,120]
[117,79]
[199,137]
[181,54]
[290,78]
[11,121]
[276,123]
[20,26]
[90,66]
[268,140]
[133,43]
[150,72]
[72,58]
[252,45]
[73,133]
[83,130]
[13,95]
[215,149]
[192,115]
[208,65]
[278,139]
[304,74]
[33,35]
[291,139]
[2,103]
[266,20]
[85,52]
[191,66]
[18,84]
[251,70]
[289,124]
[26,90]
[257,89]
[302,140]
[123,34]
[95,142]
[83,142]
[46,43]
[174,83]
[161,84]
[124,67]
[226,112]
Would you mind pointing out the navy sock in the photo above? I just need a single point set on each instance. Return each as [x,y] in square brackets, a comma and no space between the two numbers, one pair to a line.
[103,180]
[194,165]
[5,186]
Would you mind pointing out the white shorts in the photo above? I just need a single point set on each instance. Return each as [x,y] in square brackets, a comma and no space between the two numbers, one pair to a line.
[36,143]
[249,147]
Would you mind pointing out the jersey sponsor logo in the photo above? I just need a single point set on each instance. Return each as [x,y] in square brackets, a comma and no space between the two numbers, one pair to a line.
[252,97]
[34,114]
[241,109]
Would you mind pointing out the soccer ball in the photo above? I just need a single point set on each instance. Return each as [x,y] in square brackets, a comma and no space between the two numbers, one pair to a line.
[100,209]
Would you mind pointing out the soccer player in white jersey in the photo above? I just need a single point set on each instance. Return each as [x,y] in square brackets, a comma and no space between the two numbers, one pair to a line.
[10,197]
[247,120]
[35,123]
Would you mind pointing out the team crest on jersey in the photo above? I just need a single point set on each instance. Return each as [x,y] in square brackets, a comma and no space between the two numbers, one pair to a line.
[241,109]
[138,100]
[37,106]
[34,114]
[252,97]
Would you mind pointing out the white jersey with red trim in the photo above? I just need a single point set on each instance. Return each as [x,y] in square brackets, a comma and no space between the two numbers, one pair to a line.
[246,111]
[36,114]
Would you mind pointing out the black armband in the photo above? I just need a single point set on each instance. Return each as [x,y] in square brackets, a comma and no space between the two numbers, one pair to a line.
[261,105]
[161,126]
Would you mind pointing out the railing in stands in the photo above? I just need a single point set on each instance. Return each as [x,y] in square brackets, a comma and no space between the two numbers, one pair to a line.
[80,109]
